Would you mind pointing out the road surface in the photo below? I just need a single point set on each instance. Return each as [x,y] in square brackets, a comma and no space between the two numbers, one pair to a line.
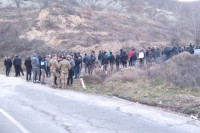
[34,108]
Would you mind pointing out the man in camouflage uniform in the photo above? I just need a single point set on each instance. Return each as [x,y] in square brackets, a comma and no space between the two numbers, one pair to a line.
[64,66]
[53,64]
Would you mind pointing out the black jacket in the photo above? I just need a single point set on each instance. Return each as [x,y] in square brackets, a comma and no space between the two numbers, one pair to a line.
[124,57]
[27,63]
[8,63]
[112,58]
[17,61]
[105,60]
[77,62]
[100,56]
[134,57]
[118,59]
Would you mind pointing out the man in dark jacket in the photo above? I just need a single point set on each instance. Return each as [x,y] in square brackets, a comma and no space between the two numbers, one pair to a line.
[105,62]
[124,59]
[28,65]
[133,58]
[20,69]
[157,56]
[100,59]
[118,58]
[77,66]
[5,61]
[91,64]
[85,60]
[8,66]
[17,64]
[112,61]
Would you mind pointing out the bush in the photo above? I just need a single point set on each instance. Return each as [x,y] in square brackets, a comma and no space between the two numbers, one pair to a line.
[182,70]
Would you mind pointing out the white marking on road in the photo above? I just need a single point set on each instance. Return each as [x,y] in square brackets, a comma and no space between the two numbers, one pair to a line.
[17,124]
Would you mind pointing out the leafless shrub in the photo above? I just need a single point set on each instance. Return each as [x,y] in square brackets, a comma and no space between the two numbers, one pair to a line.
[182,70]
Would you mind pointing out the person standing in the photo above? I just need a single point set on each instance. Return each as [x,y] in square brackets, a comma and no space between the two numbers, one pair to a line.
[17,64]
[157,56]
[85,61]
[112,61]
[28,65]
[35,68]
[124,59]
[77,66]
[133,58]
[141,58]
[5,61]
[118,58]
[48,72]
[8,66]
[20,68]
[71,71]
[130,55]
[100,59]
[43,65]
[64,66]
[91,64]
[105,62]
[53,64]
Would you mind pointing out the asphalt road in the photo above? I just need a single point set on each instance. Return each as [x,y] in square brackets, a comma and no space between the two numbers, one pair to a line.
[33,108]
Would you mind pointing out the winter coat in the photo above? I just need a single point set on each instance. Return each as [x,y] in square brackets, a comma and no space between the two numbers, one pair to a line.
[100,56]
[133,57]
[77,62]
[157,53]
[85,59]
[141,55]
[27,63]
[35,62]
[124,57]
[118,59]
[17,61]
[112,58]
[130,53]
[72,63]
[8,63]
[105,60]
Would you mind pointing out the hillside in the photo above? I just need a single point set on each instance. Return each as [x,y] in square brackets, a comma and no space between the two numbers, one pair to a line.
[84,25]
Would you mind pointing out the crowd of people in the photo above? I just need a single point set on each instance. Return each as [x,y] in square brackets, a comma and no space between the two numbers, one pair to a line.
[63,69]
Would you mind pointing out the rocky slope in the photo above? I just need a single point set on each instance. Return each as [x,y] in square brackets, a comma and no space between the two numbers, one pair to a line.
[84,25]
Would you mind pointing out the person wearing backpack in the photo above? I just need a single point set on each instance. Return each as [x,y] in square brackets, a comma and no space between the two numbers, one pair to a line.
[43,65]
[35,68]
